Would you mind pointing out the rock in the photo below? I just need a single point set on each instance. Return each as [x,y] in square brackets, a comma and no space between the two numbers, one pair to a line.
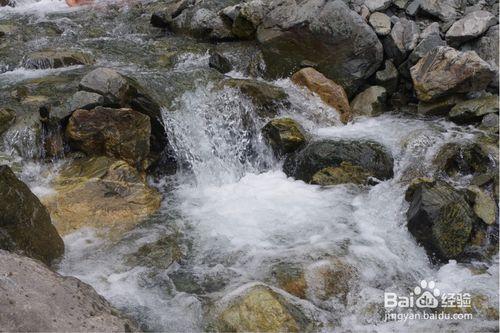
[439,218]
[429,42]
[25,224]
[413,7]
[284,135]
[219,62]
[160,254]
[490,121]
[248,17]
[102,193]
[402,40]
[370,102]
[202,23]
[445,10]
[474,110]
[84,100]
[445,71]
[440,106]
[266,97]
[120,133]
[329,279]
[484,206]
[7,118]
[388,77]
[329,34]
[109,83]
[56,59]
[431,29]
[330,92]
[318,155]
[462,159]
[401,4]
[344,174]
[381,23]
[487,48]
[470,26]
[255,307]
[291,278]
[377,5]
[38,299]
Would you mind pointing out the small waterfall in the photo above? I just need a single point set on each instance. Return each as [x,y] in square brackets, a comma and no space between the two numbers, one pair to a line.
[216,135]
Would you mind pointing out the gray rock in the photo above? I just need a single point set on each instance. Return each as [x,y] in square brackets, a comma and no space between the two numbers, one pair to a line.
[474,110]
[445,10]
[202,23]
[487,48]
[377,5]
[56,59]
[25,224]
[318,155]
[427,44]
[219,62]
[370,102]
[440,106]
[329,34]
[444,71]
[85,100]
[401,4]
[413,7]
[470,26]
[108,83]
[36,299]
[388,77]
[402,40]
[440,219]
[381,23]
[431,29]
[490,121]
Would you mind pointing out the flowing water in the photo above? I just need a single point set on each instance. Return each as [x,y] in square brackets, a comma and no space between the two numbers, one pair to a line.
[231,209]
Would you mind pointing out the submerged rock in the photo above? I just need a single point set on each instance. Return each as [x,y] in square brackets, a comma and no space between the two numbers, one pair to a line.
[463,159]
[255,307]
[120,133]
[25,224]
[284,135]
[370,102]
[439,218]
[341,44]
[330,92]
[56,59]
[159,254]
[7,118]
[266,97]
[36,299]
[219,62]
[372,157]
[445,71]
[102,193]
[474,110]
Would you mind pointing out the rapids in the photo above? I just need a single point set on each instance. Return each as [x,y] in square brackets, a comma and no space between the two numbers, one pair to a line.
[233,211]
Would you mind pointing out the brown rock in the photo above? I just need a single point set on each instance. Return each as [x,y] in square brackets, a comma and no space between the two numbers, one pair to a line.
[120,133]
[330,92]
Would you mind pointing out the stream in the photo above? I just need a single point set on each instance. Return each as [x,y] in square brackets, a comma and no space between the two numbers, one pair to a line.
[230,209]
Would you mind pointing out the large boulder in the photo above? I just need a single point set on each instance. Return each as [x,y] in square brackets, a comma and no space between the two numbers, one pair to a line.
[329,91]
[284,135]
[487,48]
[463,159]
[25,224]
[440,218]
[56,59]
[120,133]
[470,26]
[445,71]
[430,39]
[345,173]
[103,193]
[326,33]
[256,307]
[108,83]
[318,155]
[474,110]
[36,299]
[402,40]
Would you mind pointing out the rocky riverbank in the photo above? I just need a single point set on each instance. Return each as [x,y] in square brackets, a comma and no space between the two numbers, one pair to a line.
[246,165]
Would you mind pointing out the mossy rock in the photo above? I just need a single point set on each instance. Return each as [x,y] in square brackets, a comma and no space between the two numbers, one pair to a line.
[343,174]
[284,135]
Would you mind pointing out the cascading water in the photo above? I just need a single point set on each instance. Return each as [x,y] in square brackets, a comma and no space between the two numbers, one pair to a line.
[235,215]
